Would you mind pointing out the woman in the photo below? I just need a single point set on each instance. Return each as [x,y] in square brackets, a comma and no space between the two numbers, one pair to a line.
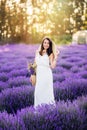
[46,61]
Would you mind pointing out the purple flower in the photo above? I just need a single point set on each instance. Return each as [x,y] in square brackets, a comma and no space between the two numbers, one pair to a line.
[31,71]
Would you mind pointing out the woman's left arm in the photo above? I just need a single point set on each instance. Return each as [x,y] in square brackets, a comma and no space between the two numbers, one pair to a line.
[53,60]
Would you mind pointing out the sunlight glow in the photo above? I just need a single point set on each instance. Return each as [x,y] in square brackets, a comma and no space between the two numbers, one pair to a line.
[17,1]
[30,10]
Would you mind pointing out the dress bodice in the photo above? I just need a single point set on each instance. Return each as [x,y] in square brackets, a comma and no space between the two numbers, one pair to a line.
[42,60]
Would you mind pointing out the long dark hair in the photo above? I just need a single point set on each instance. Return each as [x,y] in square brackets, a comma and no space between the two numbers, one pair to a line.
[49,50]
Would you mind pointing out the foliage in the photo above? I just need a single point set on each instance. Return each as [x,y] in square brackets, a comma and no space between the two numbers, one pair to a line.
[29,21]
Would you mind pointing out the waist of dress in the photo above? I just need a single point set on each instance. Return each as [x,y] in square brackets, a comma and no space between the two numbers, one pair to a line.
[47,66]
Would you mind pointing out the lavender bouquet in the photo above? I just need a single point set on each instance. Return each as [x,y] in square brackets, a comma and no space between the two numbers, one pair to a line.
[31,69]
[32,73]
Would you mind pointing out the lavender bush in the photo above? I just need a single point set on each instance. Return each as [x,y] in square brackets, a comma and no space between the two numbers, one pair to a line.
[64,116]
[16,98]
[18,81]
[16,93]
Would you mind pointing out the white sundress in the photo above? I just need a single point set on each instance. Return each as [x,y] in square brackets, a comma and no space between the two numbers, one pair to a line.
[43,93]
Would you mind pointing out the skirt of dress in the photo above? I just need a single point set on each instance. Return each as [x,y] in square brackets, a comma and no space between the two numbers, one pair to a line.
[44,86]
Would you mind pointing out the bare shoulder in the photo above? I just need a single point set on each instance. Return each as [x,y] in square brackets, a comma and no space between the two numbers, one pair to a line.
[36,52]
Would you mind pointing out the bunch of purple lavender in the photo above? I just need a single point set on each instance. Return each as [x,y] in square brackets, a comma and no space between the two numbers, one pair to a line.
[31,69]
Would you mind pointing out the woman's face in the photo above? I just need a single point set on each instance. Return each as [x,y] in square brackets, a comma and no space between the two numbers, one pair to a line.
[46,44]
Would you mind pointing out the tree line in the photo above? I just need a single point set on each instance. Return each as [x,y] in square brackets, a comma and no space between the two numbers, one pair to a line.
[30,20]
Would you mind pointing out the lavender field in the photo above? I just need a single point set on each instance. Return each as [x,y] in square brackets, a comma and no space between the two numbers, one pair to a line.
[17,93]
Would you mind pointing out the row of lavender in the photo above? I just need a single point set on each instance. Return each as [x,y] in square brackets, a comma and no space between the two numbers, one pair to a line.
[15,98]
[13,64]
[70,81]
[64,116]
